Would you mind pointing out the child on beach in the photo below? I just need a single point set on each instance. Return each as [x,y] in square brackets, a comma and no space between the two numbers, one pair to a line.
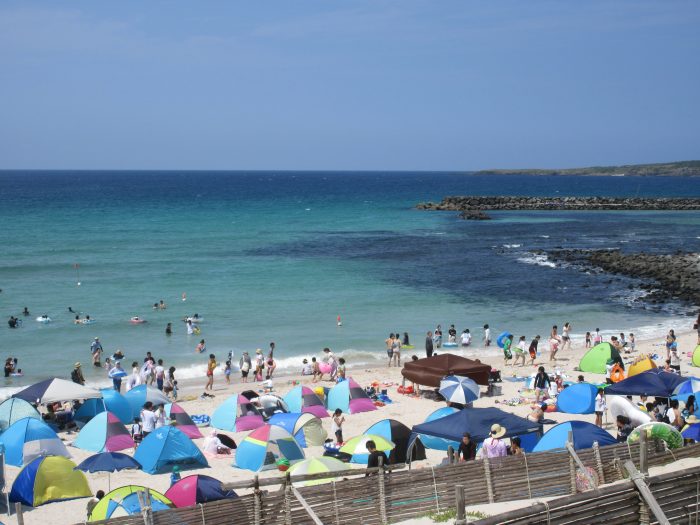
[341,370]
[337,425]
[507,356]
[227,372]
[211,366]
[306,369]
[553,348]
[588,340]
[520,351]
[137,431]
[533,349]
[542,383]
[487,335]
[315,370]
[174,390]
[632,342]
[597,338]
[600,407]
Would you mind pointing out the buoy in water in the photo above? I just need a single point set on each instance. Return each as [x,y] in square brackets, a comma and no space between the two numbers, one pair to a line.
[340,323]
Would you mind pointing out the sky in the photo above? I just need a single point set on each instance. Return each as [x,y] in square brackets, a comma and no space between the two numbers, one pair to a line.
[348,85]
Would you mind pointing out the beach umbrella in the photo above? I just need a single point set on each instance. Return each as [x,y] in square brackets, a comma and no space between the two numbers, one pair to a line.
[458,389]
[691,387]
[48,479]
[56,390]
[137,397]
[358,444]
[104,433]
[195,489]
[316,466]
[124,501]
[14,409]
[108,462]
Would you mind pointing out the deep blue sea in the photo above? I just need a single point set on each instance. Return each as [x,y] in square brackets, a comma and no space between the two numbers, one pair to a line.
[266,256]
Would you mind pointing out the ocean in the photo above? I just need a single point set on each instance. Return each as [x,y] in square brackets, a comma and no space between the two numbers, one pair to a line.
[277,256]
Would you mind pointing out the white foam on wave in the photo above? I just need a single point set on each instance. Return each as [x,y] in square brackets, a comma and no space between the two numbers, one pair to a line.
[545,236]
[512,245]
[538,260]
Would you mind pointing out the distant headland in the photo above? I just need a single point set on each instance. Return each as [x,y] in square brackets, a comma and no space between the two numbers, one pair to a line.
[688,168]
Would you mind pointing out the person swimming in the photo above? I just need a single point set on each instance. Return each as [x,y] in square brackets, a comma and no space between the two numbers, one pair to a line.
[25,311]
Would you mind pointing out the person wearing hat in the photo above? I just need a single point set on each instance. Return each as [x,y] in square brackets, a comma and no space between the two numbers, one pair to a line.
[77,374]
[494,446]
[259,364]
[96,350]
[175,475]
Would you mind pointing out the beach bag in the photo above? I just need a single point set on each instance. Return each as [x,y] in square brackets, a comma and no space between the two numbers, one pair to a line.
[245,367]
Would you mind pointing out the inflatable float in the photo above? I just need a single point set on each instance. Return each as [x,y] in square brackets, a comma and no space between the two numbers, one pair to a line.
[621,406]
[657,430]
[43,319]
[501,338]
[449,345]
[137,320]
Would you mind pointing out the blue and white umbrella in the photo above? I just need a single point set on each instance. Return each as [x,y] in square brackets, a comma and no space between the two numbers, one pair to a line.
[687,388]
[458,389]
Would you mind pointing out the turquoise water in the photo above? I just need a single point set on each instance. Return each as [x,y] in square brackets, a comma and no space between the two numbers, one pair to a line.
[277,257]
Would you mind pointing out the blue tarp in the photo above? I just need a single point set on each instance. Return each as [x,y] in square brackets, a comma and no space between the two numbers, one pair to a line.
[654,382]
[476,421]
[578,398]
[584,435]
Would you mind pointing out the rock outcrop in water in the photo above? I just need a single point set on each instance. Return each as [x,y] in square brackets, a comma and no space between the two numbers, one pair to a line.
[469,205]
[675,276]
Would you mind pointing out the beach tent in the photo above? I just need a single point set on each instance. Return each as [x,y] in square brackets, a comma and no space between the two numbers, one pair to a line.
[195,489]
[595,360]
[653,382]
[398,433]
[237,413]
[349,397]
[621,406]
[578,398]
[303,399]
[307,429]
[30,438]
[53,390]
[696,356]
[111,401]
[476,421]
[137,397]
[584,435]
[14,409]
[104,433]
[641,364]
[263,446]
[166,447]
[182,420]
[48,479]
[124,501]
[437,443]
[316,466]
[429,371]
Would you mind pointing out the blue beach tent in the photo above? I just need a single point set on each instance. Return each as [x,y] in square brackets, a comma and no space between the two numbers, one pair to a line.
[14,409]
[307,429]
[578,398]
[437,443]
[111,401]
[30,438]
[49,479]
[137,397]
[166,447]
[399,434]
[654,382]
[476,421]
[584,435]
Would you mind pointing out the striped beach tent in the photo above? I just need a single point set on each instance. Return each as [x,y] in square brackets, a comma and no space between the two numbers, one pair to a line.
[260,449]
[303,399]
[104,433]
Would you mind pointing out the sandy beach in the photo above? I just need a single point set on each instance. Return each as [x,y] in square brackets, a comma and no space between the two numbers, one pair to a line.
[407,409]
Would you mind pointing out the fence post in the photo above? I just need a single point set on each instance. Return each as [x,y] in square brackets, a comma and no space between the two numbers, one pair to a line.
[487,475]
[287,499]
[598,462]
[18,511]
[382,494]
[646,496]
[459,501]
[643,453]
[257,500]
[144,502]
[572,463]
[450,454]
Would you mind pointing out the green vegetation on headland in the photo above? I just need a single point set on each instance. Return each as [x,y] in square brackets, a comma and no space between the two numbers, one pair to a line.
[689,168]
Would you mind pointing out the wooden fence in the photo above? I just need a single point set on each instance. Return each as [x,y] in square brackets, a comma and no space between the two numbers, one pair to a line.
[400,494]
[677,495]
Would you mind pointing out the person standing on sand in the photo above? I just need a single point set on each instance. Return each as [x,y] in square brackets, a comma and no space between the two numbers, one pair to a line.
[553,348]
[600,407]
[271,353]
[487,335]
[532,350]
[507,356]
[520,351]
[211,366]
[566,336]
[696,326]
[389,342]
[542,384]
[337,425]
[396,351]
[429,344]
[245,364]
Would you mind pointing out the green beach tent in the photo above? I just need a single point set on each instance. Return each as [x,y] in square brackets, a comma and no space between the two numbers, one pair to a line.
[596,358]
[696,356]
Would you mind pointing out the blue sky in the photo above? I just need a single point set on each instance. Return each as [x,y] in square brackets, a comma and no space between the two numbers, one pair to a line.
[348,85]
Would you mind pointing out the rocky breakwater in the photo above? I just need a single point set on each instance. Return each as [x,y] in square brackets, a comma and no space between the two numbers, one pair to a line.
[674,276]
[474,207]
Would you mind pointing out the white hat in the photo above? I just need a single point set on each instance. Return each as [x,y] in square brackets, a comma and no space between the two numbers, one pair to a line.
[497,430]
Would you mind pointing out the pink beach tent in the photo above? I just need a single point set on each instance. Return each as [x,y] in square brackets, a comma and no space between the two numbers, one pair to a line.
[349,397]
[236,414]
[104,433]
[303,399]
[182,420]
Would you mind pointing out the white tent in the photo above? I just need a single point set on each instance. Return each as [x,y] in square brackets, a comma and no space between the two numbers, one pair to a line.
[53,390]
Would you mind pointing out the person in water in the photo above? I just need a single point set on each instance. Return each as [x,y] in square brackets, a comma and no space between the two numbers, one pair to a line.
[169,329]
[25,312]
